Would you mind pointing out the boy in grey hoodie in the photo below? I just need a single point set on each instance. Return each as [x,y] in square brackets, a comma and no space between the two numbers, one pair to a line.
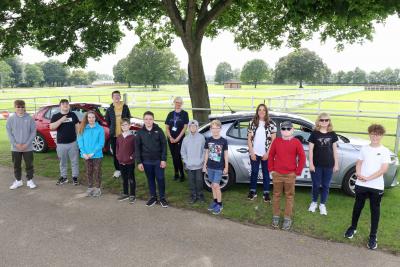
[21,130]
[192,153]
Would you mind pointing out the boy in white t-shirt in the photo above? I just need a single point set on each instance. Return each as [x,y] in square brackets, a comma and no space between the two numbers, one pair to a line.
[372,164]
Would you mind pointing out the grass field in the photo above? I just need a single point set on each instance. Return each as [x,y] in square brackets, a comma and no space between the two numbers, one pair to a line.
[236,205]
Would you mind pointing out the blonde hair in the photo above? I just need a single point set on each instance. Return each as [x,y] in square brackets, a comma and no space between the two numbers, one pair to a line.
[84,121]
[215,123]
[178,98]
[317,122]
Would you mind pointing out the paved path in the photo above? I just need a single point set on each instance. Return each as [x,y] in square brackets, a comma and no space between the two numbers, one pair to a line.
[58,226]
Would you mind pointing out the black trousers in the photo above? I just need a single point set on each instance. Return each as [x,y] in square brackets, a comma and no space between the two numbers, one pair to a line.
[128,179]
[17,162]
[113,142]
[375,197]
[175,149]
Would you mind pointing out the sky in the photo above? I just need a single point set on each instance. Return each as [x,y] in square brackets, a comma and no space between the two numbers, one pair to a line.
[378,54]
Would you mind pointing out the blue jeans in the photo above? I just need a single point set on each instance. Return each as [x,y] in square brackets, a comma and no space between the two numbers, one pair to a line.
[214,176]
[154,171]
[255,168]
[321,178]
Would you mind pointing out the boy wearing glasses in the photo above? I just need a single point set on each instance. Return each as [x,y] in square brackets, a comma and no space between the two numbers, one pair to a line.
[372,164]
[216,164]
[285,161]
[21,130]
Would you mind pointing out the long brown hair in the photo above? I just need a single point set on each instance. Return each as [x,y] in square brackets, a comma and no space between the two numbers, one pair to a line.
[256,118]
[84,121]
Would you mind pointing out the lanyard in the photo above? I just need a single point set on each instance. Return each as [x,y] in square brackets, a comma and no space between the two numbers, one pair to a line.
[176,118]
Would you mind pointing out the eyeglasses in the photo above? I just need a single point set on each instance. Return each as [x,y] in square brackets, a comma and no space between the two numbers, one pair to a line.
[286,128]
[324,120]
[375,134]
[124,125]
[20,106]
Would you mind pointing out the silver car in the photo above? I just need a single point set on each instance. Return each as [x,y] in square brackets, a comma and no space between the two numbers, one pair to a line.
[234,129]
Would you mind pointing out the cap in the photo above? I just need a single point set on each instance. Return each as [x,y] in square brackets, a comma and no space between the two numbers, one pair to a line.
[286,124]
[194,122]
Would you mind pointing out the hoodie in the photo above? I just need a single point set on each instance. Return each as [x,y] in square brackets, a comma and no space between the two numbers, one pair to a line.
[126,149]
[91,141]
[150,145]
[192,150]
[21,130]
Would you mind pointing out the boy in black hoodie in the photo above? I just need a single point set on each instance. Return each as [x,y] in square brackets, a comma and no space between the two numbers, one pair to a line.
[151,157]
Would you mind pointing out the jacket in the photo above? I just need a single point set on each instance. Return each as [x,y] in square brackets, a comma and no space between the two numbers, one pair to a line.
[91,141]
[150,145]
[192,151]
[110,117]
[21,130]
[126,149]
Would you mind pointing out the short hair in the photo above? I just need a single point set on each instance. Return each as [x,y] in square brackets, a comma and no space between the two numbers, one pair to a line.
[19,102]
[178,98]
[215,123]
[125,120]
[115,92]
[62,101]
[376,129]
[148,113]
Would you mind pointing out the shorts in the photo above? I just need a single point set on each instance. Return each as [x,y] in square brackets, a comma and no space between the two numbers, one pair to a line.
[214,176]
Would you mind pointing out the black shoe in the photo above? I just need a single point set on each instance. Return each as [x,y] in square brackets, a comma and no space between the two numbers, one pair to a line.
[152,201]
[62,180]
[192,199]
[123,197]
[350,233]
[164,203]
[182,178]
[201,199]
[75,181]
[372,243]
[267,199]
[176,177]
[252,195]
[132,199]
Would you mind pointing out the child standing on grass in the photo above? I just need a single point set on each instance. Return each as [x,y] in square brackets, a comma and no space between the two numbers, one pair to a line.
[372,164]
[324,160]
[286,161]
[91,143]
[192,153]
[216,164]
[126,158]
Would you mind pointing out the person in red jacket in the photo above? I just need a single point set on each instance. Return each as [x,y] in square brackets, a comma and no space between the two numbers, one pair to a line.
[285,161]
[125,145]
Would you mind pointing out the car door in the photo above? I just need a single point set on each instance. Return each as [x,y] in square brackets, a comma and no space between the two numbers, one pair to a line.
[48,115]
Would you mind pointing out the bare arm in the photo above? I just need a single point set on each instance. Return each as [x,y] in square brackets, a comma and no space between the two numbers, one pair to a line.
[56,124]
[336,157]
[182,132]
[226,161]
[311,156]
[381,171]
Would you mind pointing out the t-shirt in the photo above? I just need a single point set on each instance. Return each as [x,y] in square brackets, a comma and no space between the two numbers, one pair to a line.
[373,158]
[118,118]
[176,121]
[259,140]
[323,148]
[66,132]
[216,149]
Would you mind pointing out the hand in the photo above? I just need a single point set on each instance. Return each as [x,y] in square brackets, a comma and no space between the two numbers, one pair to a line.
[18,147]
[312,167]
[63,118]
[253,156]
[90,155]
[171,140]
[225,170]
[140,167]
[205,168]
[163,164]
[336,168]
[86,156]
[24,147]
[362,178]
[265,156]
[130,157]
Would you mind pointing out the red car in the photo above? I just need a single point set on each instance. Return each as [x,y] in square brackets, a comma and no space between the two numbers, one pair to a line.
[46,139]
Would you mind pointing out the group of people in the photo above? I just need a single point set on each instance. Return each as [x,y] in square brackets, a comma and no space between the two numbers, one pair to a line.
[282,157]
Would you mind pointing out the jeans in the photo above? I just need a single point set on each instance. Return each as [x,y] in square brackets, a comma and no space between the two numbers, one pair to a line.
[68,151]
[154,171]
[283,183]
[175,149]
[113,143]
[255,168]
[321,177]
[196,182]
[17,161]
[128,179]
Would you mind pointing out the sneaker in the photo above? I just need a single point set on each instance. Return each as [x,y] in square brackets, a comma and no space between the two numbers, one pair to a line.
[192,199]
[96,192]
[176,177]
[16,184]
[201,199]
[30,184]
[217,209]
[252,195]
[152,201]
[62,180]
[182,179]
[164,203]
[372,243]
[266,197]
[322,209]
[313,206]
[75,181]
[275,221]
[132,199]
[211,206]
[350,233]
[117,174]
[123,197]
[89,192]
[287,224]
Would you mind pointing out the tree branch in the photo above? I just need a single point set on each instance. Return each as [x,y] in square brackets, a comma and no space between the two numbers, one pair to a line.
[203,8]
[175,16]
[190,12]
[209,16]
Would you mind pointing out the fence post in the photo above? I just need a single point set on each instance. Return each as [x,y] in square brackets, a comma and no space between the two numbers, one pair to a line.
[285,103]
[223,104]
[148,101]
[396,143]
[252,102]
[69,98]
[125,98]
[34,102]
[319,105]
[98,98]
[358,108]
[269,103]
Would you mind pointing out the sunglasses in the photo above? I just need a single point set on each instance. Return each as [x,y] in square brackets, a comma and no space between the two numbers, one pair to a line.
[286,128]
[324,120]
[20,106]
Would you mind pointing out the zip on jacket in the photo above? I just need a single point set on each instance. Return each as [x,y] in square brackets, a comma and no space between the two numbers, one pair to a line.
[150,145]
[91,141]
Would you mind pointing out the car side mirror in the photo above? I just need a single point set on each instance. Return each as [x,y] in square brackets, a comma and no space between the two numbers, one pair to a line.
[301,139]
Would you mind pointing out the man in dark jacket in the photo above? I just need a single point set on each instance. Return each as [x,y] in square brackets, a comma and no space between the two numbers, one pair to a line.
[114,114]
[151,156]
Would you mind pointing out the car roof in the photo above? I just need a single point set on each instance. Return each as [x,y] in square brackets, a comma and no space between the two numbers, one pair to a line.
[78,104]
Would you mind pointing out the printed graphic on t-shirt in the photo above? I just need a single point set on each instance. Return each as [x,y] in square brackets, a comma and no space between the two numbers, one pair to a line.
[324,141]
[215,152]
[67,120]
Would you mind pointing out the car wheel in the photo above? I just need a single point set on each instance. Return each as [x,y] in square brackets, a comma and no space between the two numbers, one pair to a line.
[349,182]
[39,144]
[226,181]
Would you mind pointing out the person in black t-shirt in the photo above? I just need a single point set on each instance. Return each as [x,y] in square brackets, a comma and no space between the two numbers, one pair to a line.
[175,126]
[66,123]
[323,157]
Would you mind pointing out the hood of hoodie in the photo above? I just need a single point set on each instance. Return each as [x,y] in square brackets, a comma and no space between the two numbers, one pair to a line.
[96,125]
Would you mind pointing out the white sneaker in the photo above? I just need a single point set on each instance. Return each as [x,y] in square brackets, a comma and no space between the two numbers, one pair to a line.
[30,184]
[117,174]
[322,209]
[16,184]
[313,206]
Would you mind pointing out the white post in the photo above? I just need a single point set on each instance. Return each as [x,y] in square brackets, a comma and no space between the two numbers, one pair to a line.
[396,143]
[358,108]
